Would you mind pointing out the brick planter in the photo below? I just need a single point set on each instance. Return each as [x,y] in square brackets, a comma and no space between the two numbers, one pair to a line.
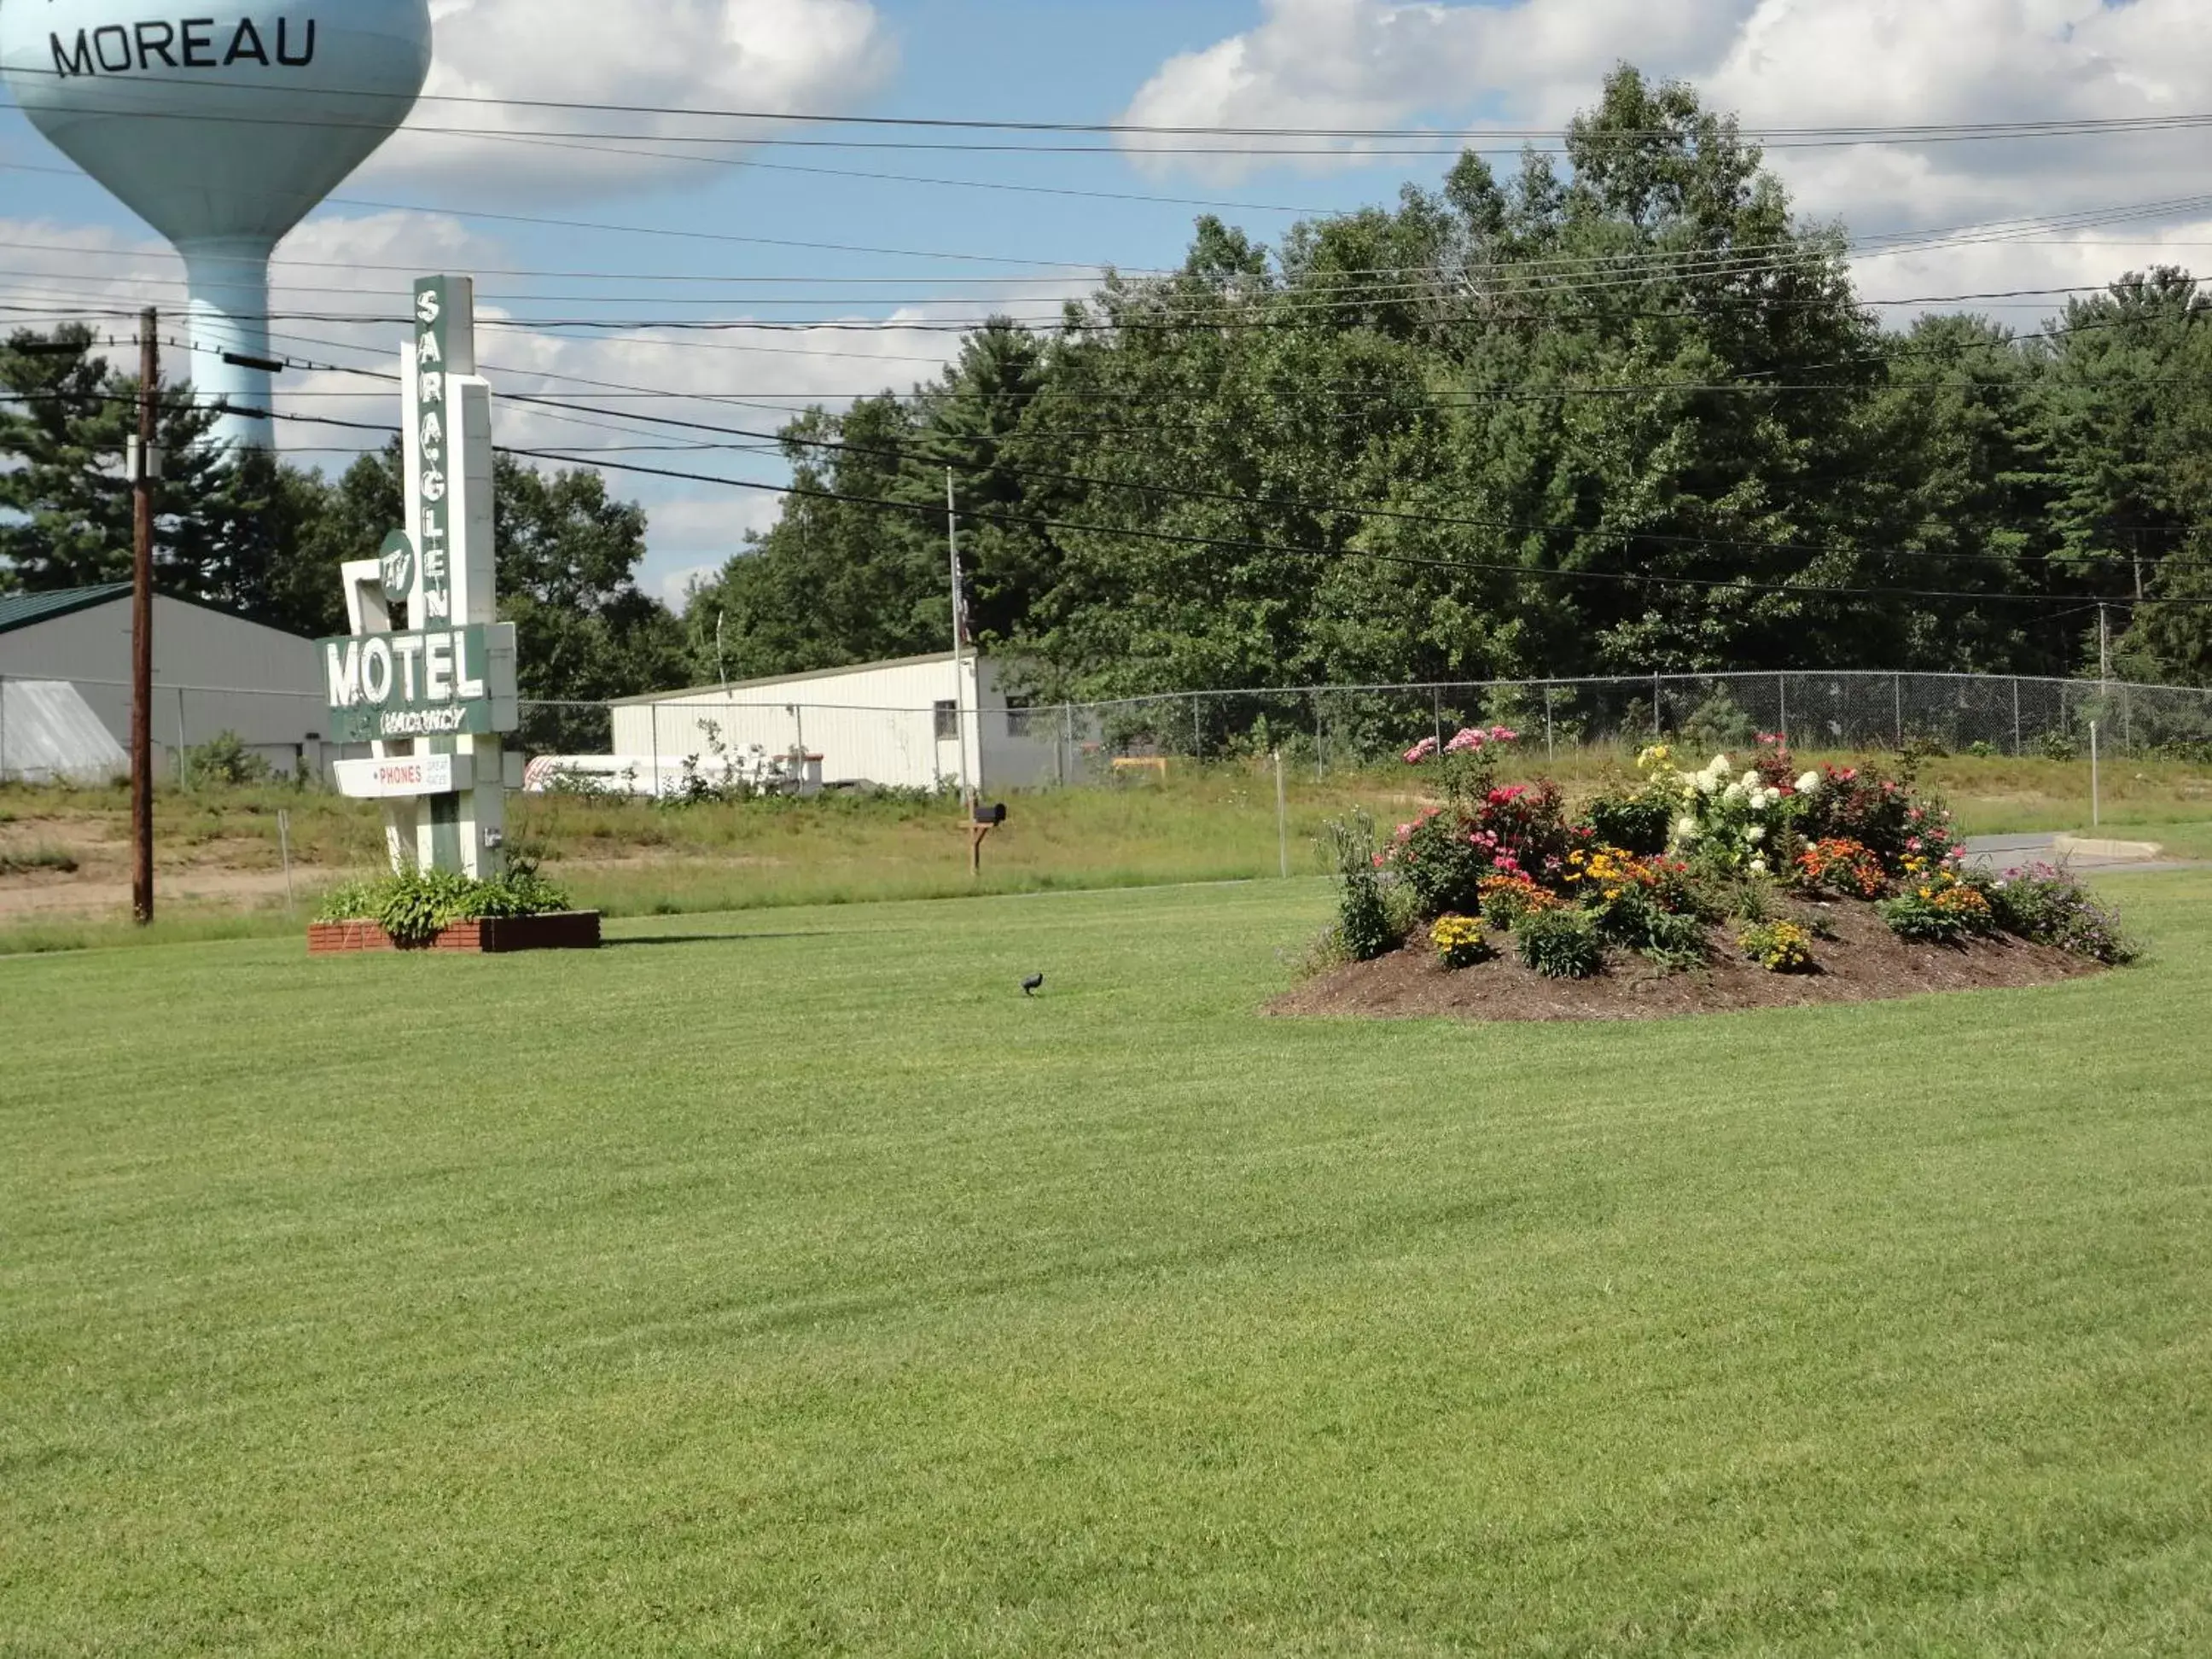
[564,930]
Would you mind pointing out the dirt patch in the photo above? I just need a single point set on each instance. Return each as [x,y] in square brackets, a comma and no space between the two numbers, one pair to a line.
[1864,963]
[87,894]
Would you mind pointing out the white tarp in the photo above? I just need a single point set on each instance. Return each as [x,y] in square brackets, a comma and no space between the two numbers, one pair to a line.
[48,734]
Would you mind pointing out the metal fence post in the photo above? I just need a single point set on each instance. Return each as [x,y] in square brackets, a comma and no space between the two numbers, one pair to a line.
[184,745]
[1782,696]
[1658,728]
[1282,819]
[1320,764]
[1437,694]
[653,710]
[2096,790]
[2018,749]
[1549,753]
[1066,742]
[1197,726]
[1897,697]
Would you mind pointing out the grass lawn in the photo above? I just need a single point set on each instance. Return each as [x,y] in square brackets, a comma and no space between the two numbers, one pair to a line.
[788,1283]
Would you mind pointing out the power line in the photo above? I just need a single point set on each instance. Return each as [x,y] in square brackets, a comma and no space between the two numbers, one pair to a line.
[1770,136]
[680,234]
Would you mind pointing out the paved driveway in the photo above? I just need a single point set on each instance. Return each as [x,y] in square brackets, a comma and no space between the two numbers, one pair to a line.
[2002,851]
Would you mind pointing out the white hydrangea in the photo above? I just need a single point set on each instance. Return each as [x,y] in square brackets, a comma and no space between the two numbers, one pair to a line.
[1756,834]
[1759,866]
[1809,784]
[1686,829]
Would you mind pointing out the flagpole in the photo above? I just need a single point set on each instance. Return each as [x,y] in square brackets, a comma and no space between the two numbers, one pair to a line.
[970,792]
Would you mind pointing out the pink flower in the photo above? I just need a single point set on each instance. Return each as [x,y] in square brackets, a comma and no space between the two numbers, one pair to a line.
[1501,734]
[1914,845]
[1466,741]
[1420,751]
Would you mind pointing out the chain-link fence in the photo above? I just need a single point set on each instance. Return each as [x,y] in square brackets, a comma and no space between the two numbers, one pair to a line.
[1341,727]
[80,728]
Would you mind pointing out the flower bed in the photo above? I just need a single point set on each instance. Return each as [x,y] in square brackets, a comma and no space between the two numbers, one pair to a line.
[437,910]
[1743,867]
[559,930]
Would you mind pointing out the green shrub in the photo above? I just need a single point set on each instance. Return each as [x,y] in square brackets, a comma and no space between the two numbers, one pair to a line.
[1750,901]
[1674,940]
[2048,906]
[1634,820]
[1717,724]
[1364,923]
[1459,942]
[353,901]
[22,860]
[1507,899]
[1560,944]
[1780,947]
[224,761]
[2058,746]
[1938,913]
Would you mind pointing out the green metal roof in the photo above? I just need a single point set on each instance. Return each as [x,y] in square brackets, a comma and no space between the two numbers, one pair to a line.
[21,609]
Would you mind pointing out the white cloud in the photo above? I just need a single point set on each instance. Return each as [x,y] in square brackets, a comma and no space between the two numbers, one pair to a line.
[674,587]
[1354,63]
[1465,67]
[774,55]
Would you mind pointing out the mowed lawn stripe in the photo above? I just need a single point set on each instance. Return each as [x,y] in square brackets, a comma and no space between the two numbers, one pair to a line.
[799,1286]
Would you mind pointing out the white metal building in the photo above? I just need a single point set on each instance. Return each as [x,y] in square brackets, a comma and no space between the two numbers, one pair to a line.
[916,723]
[213,671]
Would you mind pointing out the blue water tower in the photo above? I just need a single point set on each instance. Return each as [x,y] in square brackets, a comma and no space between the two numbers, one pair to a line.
[220,131]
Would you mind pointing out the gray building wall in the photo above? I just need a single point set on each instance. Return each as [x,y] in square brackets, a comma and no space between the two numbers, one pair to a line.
[212,672]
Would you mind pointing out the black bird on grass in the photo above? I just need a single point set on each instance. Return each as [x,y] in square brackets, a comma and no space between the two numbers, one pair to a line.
[1032,984]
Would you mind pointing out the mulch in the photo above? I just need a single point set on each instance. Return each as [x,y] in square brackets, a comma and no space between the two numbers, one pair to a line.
[1864,963]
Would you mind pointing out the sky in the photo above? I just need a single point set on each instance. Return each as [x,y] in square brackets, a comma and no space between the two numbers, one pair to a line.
[778,220]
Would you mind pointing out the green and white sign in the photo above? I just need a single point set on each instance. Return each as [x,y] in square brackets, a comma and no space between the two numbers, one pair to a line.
[440,683]
[427,677]
[434,593]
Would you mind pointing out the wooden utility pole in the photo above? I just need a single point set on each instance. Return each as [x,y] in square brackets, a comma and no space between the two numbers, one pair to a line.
[145,466]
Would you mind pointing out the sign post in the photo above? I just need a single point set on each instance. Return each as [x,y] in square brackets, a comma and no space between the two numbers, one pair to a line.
[433,698]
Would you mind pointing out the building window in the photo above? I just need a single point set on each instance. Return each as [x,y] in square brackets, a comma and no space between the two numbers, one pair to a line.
[1019,715]
[948,722]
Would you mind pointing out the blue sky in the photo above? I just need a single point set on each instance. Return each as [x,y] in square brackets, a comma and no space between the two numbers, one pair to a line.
[1452,67]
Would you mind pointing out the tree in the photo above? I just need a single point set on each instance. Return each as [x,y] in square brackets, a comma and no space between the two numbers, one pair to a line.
[66,419]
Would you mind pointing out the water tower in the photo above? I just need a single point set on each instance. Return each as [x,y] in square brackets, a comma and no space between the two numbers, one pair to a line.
[221,131]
